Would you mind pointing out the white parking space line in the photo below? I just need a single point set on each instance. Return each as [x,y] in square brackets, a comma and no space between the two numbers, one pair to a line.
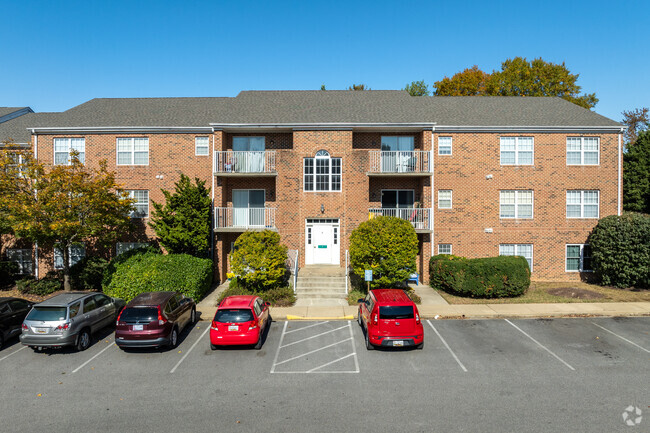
[100,352]
[613,333]
[191,348]
[277,352]
[313,351]
[354,350]
[306,327]
[13,353]
[313,370]
[447,346]
[541,345]
[313,336]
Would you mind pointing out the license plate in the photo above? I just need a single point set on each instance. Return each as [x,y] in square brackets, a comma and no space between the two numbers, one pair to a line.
[233,328]
[398,343]
[138,327]
[41,330]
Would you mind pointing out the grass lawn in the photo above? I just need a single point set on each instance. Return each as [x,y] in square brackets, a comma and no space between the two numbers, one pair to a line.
[541,292]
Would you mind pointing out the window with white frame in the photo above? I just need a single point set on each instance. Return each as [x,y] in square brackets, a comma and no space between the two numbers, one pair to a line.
[524,250]
[444,248]
[23,257]
[582,150]
[444,145]
[201,146]
[63,147]
[582,204]
[516,204]
[122,247]
[322,173]
[578,258]
[444,199]
[133,151]
[517,150]
[141,205]
[76,251]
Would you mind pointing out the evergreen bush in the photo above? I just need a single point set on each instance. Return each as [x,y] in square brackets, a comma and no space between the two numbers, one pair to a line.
[259,261]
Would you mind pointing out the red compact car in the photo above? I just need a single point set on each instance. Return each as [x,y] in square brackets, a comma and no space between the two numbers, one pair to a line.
[390,319]
[240,320]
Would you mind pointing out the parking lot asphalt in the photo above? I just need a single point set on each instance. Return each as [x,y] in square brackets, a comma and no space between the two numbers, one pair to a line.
[541,375]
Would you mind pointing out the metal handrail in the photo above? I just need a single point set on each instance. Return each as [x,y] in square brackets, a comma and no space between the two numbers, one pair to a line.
[228,161]
[420,218]
[347,271]
[253,217]
[292,264]
[413,161]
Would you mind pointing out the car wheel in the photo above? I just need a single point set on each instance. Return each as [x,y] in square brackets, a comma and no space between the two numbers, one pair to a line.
[2,341]
[173,338]
[83,341]
[258,345]
[213,346]
[359,321]
[369,345]
[193,316]
[420,346]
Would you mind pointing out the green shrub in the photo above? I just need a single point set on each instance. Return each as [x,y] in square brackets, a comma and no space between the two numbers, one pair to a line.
[8,273]
[259,260]
[354,296]
[620,250]
[115,262]
[386,245]
[152,272]
[45,286]
[490,277]
[87,273]
[278,297]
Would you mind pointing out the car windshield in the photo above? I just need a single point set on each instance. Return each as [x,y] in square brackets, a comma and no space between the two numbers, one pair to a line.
[146,314]
[397,312]
[233,316]
[47,313]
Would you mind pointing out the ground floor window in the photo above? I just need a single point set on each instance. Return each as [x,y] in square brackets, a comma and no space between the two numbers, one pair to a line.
[444,248]
[524,250]
[23,257]
[578,258]
[122,247]
[77,252]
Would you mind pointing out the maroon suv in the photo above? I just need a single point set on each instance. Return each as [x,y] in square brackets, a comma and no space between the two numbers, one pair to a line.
[154,319]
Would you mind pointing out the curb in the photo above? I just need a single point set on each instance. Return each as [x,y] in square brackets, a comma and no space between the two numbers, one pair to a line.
[292,317]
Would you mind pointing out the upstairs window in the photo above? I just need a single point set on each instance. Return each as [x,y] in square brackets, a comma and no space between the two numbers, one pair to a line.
[202,146]
[444,199]
[582,204]
[63,147]
[582,150]
[444,145]
[517,150]
[322,173]
[141,204]
[133,151]
[516,204]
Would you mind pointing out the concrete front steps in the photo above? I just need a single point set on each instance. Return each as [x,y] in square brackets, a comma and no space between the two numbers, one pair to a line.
[321,286]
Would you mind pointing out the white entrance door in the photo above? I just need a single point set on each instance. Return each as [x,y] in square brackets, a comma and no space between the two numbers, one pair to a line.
[322,243]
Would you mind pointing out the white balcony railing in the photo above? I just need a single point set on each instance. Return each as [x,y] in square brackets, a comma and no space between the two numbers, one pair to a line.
[229,161]
[417,161]
[420,218]
[244,218]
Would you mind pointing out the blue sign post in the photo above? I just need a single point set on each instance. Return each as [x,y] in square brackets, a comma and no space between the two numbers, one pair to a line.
[368,275]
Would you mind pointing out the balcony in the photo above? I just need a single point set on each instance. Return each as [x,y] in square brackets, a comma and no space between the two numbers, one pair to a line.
[245,164]
[400,163]
[420,218]
[232,219]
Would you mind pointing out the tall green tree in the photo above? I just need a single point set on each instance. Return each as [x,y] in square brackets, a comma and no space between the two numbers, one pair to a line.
[470,82]
[183,222]
[61,205]
[417,88]
[636,175]
[636,120]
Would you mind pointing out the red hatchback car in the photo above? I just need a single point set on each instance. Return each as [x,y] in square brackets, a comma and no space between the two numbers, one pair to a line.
[390,319]
[240,320]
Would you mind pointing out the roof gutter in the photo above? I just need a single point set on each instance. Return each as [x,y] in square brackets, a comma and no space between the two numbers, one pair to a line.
[322,126]
[120,129]
[521,128]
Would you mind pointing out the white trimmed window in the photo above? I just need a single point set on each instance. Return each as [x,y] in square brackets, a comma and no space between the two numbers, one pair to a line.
[524,250]
[582,150]
[77,252]
[322,173]
[578,258]
[582,204]
[201,146]
[141,197]
[444,248]
[517,150]
[516,204]
[122,247]
[444,199]
[444,145]
[23,257]
[63,147]
[133,151]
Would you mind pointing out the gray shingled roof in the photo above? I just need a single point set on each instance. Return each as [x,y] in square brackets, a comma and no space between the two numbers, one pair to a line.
[16,129]
[8,110]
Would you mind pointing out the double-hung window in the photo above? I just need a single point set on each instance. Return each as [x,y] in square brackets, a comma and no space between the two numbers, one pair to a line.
[578,258]
[63,147]
[322,173]
[524,250]
[582,150]
[23,257]
[444,145]
[444,248]
[122,247]
[516,204]
[76,251]
[444,199]
[517,150]
[201,146]
[133,151]
[141,205]
[582,204]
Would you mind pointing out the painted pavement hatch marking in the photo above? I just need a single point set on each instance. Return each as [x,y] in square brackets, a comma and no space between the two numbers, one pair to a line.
[447,346]
[312,337]
[541,345]
[96,355]
[613,333]
[190,350]
[13,353]
[308,326]
[277,352]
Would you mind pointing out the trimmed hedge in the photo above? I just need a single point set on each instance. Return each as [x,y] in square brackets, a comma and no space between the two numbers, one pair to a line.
[259,261]
[278,297]
[117,261]
[47,285]
[87,273]
[152,272]
[490,277]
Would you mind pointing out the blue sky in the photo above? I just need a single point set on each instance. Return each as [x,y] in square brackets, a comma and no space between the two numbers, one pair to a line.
[57,54]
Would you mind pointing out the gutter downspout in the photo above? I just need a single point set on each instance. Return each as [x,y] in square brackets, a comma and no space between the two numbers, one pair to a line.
[212,203]
[620,172]
[35,243]
[433,195]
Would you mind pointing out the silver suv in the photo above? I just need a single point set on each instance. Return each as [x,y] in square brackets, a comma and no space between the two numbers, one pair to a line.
[69,319]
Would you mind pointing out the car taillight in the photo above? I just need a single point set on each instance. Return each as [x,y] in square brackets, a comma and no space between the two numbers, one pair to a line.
[25,327]
[120,315]
[417,318]
[63,327]
[252,325]
[161,319]
[214,325]
[374,319]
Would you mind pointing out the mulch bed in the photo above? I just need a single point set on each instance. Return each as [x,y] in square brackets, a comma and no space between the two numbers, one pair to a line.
[575,293]
[18,294]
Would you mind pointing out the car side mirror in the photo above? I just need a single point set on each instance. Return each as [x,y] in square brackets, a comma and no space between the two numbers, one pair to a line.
[267,304]
[360,300]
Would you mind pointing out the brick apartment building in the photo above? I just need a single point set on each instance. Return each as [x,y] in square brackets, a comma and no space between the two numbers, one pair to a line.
[476,176]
